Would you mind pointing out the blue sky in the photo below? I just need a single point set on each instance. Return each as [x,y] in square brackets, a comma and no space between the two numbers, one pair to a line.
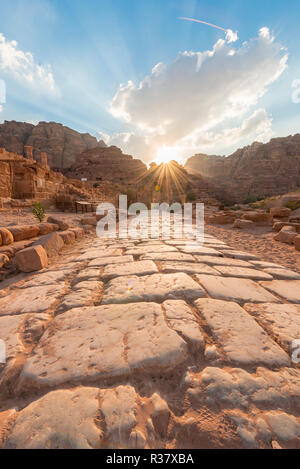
[71,57]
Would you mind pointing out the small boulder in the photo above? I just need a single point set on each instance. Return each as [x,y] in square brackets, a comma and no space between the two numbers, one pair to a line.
[32,259]
[239,223]
[6,236]
[297,242]
[68,236]
[261,218]
[286,235]
[52,243]
[61,223]
[24,232]
[280,212]
[92,221]
[3,260]
[79,232]
[46,228]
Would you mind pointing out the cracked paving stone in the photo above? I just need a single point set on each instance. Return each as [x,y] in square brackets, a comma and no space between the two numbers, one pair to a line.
[240,336]
[281,320]
[131,268]
[266,265]
[91,273]
[83,294]
[182,320]
[100,252]
[32,300]
[239,290]
[282,274]
[63,419]
[157,287]
[201,250]
[287,289]
[215,261]
[104,342]
[44,278]
[168,256]
[110,260]
[188,268]
[138,251]
[242,272]
[246,256]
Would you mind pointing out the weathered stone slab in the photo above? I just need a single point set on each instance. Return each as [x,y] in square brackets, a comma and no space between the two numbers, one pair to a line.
[188,268]
[99,252]
[182,320]
[32,300]
[63,419]
[104,342]
[157,287]
[265,265]
[83,294]
[86,274]
[44,278]
[287,289]
[110,260]
[285,427]
[10,333]
[201,250]
[239,389]
[31,259]
[130,268]
[235,289]
[240,336]
[168,256]
[280,320]
[137,251]
[215,261]
[282,274]
[246,256]
[242,272]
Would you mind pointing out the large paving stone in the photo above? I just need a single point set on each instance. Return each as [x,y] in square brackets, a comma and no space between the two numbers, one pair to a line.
[280,320]
[63,419]
[265,265]
[31,300]
[239,290]
[157,287]
[44,278]
[188,268]
[239,389]
[99,252]
[90,273]
[287,289]
[245,256]
[84,293]
[242,272]
[201,250]
[137,251]
[240,336]
[110,260]
[180,318]
[282,274]
[103,342]
[215,261]
[285,427]
[168,256]
[130,268]
[11,328]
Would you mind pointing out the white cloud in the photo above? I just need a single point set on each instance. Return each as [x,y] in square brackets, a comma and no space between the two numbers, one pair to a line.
[21,66]
[198,97]
[231,36]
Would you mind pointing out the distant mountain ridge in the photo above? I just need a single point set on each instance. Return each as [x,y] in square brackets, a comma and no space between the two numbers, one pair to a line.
[259,170]
[61,143]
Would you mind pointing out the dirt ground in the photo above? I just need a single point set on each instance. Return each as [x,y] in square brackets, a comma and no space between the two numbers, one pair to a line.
[258,241]
[25,217]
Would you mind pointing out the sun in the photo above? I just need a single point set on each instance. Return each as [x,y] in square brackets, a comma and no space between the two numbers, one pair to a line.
[166,154]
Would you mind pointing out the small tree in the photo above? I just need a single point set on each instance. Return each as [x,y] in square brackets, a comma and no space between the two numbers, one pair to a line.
[39,211]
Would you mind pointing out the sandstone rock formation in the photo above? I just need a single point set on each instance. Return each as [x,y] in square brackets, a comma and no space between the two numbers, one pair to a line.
[257,170]
[106,164]
[61,143]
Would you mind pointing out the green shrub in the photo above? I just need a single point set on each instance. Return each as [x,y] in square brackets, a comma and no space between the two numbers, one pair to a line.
[95,185]
[190,197]
[293,204]
[39,211]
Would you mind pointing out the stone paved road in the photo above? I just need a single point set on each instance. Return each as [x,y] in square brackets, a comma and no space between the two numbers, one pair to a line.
[151,344]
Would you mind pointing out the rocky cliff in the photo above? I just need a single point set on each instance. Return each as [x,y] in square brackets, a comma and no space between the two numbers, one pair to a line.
[61,144]
[259,170]
[106,164]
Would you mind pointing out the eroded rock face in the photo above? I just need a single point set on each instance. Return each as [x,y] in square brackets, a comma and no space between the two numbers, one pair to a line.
[260,169]
[106,164]
[59,142]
